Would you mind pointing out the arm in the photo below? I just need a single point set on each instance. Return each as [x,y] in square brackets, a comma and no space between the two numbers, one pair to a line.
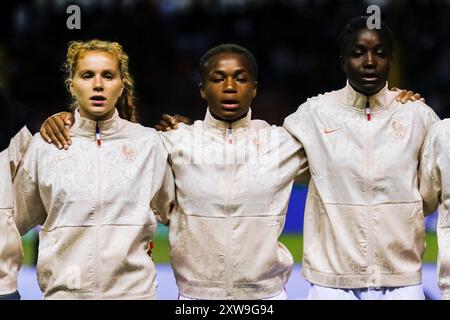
[29,209]
[429,176]
[434,188]
[55,129]
[304,175]
[17,149]
[164,201]
[443,261]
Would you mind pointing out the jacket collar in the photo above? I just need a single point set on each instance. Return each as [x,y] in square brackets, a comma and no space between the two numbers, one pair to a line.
[211,122]
[357,100]
[86,127]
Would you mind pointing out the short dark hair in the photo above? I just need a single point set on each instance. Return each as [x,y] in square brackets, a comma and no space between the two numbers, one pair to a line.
[360,23]
[228,48]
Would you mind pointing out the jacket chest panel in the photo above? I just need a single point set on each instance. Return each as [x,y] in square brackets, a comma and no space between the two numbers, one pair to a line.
[344,140]
[87,180]
[373,156]
[208,170]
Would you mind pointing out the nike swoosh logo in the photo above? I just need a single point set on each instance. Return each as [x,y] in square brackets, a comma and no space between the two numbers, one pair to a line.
[328,130]
[64,156]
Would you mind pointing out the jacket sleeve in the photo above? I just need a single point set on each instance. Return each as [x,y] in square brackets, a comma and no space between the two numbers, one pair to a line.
[164,200]
[17,149]
[293,126]
[443,261]
[438,169]
[429,174]
[29,209]
[303,175]
[433,167]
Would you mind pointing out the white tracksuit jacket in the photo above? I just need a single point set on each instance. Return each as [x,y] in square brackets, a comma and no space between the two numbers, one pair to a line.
[233,183]
[93,202]
[363,224]
[434,181]
[11,253]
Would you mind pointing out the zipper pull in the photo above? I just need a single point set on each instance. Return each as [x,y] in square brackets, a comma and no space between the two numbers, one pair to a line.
[230,136]
[368,109]
[97,134]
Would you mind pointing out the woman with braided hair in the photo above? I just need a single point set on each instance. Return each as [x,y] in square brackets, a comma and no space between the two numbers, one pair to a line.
[93,201]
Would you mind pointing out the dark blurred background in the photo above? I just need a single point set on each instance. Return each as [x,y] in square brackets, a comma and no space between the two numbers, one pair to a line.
[294,42]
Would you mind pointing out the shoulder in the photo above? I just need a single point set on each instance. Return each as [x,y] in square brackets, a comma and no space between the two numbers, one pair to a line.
[325,98]
[284,136]
[315,103]
[176,137]
[149,133]
[143,138]
[37,142]
[420,108]
[263,126]
[419,113]
[139,132]
[180,131]
[440,129]
[39,148]
[21,140]
[259,124]
[444,124]
[437,142]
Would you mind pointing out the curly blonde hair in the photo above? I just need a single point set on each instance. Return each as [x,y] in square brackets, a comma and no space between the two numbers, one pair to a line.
[77,49]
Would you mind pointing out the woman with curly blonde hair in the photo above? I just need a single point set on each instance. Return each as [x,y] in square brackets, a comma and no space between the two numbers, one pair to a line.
[77,49]
[93,201]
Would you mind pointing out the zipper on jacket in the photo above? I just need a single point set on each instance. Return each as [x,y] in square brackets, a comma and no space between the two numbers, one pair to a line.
[229,135]
[229,148]
[368,115]
[98,137]
[228,262]
[371,270]
[98,209]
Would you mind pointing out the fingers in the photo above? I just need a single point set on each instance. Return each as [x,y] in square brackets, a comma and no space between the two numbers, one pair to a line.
[55,130]
[169,119]
[68,118]
[404,96]
[46,131]
[400,95]
[49,133]
[164,125]
[182,119]
[408,96]
[61,133]
[44,134]
[159,127]
[64,121]
[169,122]
[417,97]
